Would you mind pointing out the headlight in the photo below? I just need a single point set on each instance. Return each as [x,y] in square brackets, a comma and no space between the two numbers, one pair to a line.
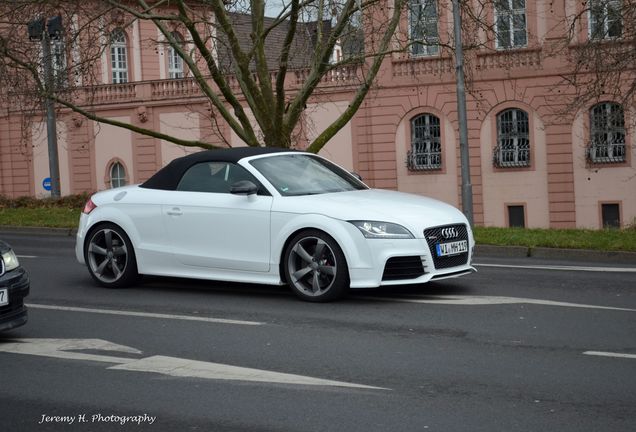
[382,230]
[10,260]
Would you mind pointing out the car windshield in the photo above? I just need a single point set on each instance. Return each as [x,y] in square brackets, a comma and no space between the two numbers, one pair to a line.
[302,174]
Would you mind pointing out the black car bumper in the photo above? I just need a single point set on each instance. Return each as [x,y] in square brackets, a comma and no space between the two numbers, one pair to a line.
[14,314]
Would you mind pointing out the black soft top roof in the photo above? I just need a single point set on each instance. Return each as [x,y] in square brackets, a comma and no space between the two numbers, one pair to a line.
[168,177]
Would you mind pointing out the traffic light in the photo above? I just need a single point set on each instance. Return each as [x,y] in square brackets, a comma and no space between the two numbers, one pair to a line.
[53,26]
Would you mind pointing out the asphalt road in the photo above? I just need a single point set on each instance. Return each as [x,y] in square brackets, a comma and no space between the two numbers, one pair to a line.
[506,349]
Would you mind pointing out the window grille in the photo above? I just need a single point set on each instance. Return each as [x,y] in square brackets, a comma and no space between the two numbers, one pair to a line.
[117,175]
[118,57]
[423,31]
[607,133]
[426,145]
[606,21]
[513,140]
[510,23]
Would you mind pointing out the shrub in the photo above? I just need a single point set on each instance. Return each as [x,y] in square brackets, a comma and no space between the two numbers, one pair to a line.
[69,201]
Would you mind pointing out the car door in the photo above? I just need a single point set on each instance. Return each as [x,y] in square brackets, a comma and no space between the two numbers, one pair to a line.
[210,227]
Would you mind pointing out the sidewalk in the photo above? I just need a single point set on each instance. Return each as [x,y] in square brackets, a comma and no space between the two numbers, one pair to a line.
[606,257]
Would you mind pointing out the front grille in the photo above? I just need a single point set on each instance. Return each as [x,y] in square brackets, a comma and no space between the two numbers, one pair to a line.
[401,268]
[434,236]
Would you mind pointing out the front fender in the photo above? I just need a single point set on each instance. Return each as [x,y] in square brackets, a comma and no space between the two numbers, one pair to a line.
[351,241]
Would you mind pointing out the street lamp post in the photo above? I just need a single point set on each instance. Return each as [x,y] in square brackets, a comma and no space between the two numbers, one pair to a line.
[44,33]
[467,187]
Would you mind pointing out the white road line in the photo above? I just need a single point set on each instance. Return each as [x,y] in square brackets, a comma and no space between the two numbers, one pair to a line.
[26,256]
[65,349]
[185,368]
[565,268]
[145,314]
[171,366]
[491,300]
[610,354]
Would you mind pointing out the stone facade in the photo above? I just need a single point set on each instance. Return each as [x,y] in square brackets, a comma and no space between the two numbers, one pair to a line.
[556,186]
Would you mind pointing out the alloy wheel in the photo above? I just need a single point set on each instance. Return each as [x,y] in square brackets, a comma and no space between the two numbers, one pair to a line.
[107,255]
[312,266]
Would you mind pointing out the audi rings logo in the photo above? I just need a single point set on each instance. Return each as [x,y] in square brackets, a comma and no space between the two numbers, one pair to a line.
[449,233]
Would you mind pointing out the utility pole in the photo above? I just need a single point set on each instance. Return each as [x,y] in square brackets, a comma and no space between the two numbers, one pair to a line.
[467,187]
[37,31]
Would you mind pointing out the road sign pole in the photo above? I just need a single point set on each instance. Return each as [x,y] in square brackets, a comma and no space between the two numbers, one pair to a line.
[51,126]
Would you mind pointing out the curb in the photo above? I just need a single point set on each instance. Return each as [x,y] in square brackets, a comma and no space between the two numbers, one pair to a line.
[65,232]
[608,257]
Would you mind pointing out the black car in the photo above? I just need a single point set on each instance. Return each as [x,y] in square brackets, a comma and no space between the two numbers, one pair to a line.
[14,287]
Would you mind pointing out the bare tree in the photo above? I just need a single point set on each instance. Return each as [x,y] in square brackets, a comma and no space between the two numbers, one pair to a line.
[601,48]
[228,42]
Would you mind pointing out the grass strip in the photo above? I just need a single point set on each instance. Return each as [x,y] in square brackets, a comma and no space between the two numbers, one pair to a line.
[606,240]
[53,217]
[29,212]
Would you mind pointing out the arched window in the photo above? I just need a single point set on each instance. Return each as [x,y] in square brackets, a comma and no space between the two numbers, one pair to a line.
[513,139]
[117,175]
[607,133]
[175,62]
[426,143]
[118,57]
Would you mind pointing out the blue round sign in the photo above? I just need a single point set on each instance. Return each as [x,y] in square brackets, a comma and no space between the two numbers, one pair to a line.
[46,183]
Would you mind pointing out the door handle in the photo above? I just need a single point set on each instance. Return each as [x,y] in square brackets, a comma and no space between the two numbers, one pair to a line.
[175,211]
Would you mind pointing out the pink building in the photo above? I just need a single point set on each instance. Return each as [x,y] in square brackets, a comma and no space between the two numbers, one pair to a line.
[532,164]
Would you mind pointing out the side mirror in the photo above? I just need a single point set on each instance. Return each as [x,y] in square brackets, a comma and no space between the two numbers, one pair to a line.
[244,187]
[356,175]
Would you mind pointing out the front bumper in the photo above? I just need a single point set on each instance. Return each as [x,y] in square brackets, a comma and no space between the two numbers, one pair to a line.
[15,313]
[406,261]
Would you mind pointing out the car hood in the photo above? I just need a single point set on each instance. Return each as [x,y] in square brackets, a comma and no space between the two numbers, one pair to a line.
[415,212]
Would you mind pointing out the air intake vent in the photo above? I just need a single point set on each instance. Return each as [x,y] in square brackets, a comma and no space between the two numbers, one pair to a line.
[402,268]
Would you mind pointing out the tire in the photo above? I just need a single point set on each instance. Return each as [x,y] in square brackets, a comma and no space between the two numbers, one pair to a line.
[110,257]
[315,267]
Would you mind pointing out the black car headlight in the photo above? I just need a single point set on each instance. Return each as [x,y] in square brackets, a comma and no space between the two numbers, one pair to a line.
[382,230]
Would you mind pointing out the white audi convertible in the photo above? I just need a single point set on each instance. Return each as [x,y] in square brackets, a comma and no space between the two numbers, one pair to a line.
[271,216]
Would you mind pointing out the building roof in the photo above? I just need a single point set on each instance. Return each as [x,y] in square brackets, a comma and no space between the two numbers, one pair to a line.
[302,50]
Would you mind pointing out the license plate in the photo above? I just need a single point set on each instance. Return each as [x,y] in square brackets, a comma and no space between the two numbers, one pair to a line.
[453,248]
[4,297]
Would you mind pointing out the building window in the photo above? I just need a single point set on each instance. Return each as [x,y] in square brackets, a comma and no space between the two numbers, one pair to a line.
[423,32]
[175,62]
[426,144]
[516,216]
[513,140]
[510,23]
[118,57]
[611,215]
[605,19]
[58,62]
[607,133]
[117,175]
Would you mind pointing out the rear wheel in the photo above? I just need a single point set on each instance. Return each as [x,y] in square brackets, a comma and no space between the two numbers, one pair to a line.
[110,257]
[315,267]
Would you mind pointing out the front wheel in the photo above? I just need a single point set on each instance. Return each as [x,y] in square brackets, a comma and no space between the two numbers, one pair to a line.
[110,257]
[315,267]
